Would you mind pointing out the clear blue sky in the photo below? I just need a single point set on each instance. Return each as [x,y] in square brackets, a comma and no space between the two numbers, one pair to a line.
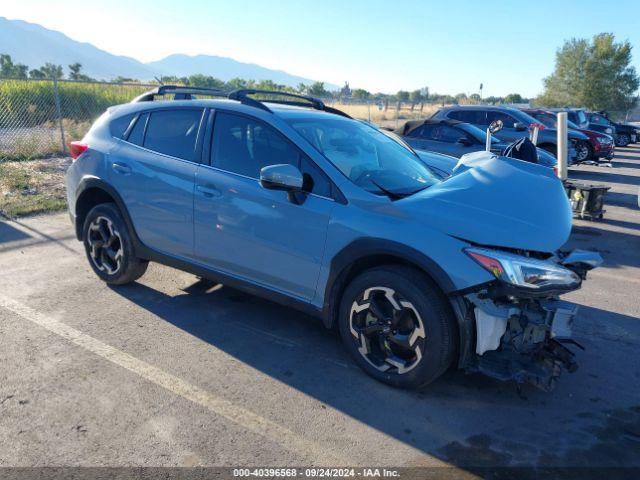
[378,45]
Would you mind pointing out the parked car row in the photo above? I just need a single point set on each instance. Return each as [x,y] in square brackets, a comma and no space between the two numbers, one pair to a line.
[459,130]
[599,144]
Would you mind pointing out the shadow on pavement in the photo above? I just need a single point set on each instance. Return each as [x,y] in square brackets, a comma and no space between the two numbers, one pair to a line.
[619,164]
[9,233]
[467,420]
[597,177]
[618,249]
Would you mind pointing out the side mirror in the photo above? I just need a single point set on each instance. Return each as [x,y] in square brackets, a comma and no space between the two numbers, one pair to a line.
[464,141]
[495,126]
[283,177]
[519,126]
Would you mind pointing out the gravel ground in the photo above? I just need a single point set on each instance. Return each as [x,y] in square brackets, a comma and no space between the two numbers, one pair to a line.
[172,372]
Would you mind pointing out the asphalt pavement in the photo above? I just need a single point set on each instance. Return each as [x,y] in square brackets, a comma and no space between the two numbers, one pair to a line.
[175,371]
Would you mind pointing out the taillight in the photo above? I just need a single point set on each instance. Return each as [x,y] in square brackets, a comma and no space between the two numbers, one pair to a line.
[77,148]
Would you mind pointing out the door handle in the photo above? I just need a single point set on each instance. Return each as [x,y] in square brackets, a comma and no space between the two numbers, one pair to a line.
[121,168]
[208,191]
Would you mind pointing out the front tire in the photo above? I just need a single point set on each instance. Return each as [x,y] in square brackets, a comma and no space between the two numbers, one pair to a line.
[583,151]
[623,140]
[109,247]
[397,326]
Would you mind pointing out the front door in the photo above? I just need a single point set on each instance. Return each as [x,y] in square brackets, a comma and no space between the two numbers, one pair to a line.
[253,233]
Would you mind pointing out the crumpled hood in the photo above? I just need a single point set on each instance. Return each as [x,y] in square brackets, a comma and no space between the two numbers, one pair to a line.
[497,201]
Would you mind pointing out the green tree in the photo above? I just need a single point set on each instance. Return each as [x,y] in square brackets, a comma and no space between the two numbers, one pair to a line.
[596,74]
[514,98]
[361,94]
[236,83]
[317,89]
[402,96]
[75,74]
[10,69]
[48,70]
[200,80]
[120,79]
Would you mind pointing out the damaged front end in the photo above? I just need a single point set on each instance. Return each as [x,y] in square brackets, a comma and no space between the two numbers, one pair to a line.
[522,327]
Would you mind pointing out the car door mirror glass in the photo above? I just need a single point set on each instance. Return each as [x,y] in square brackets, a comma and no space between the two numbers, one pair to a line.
[496,126]
[281,177]
[519,126]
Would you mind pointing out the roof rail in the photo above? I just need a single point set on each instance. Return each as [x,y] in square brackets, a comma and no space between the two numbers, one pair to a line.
[242,95]
[180,93]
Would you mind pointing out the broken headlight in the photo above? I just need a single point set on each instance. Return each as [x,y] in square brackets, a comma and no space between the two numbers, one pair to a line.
[523,271]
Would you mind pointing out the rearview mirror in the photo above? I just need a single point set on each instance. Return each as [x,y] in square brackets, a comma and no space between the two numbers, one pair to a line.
[495,126]
[281,177]
[519,126]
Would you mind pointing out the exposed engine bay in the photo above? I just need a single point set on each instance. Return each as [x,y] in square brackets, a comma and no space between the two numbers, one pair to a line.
[522,327]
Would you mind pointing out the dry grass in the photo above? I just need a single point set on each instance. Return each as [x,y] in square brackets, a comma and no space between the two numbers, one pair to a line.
[32,186]
[383,117]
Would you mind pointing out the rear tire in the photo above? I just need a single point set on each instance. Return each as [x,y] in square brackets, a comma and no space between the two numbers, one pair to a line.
[109,247]
[398,326]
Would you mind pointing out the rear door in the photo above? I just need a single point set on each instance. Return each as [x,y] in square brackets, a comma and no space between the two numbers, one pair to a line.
[154,170]
[250,232]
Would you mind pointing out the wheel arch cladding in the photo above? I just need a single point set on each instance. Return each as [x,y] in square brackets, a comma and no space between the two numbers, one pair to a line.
[363,254]
[92,192]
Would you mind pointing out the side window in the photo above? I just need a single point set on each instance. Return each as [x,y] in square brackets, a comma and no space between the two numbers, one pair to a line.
[243,146]
[118,126]
[599,119]
[136,136]
[444,133]
[315,180]
[507,119]
[173,132]
[476,117]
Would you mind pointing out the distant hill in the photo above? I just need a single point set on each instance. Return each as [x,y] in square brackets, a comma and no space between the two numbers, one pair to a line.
[35,45]
[224,68]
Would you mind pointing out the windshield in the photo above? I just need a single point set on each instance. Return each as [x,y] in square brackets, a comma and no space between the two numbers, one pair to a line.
[524,117]
[366,156]
[476,132]
[550,120]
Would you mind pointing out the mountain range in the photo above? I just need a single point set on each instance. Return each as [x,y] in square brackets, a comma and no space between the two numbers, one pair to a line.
[34,45]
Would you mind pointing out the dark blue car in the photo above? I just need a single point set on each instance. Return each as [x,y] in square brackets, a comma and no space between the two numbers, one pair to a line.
[455,138]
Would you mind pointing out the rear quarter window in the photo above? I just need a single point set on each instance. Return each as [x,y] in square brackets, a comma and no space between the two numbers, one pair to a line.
[136,136]
[118,126]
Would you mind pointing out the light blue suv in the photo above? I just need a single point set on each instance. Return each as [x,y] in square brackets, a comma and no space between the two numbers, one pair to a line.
[284,197]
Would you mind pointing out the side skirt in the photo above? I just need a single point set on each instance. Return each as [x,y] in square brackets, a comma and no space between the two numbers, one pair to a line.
[227,280]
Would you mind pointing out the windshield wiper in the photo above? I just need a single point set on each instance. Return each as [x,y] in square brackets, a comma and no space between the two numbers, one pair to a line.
[396,195]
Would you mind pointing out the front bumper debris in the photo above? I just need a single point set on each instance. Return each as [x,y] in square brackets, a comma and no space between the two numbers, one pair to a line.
[524,341]
[523,336]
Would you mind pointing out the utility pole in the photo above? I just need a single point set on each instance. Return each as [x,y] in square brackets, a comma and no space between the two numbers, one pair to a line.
[480,92]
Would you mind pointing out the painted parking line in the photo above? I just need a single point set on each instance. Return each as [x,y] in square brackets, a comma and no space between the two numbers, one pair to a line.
[236,414]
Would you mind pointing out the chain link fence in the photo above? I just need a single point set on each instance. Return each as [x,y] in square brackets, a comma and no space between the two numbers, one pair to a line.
[40,117]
